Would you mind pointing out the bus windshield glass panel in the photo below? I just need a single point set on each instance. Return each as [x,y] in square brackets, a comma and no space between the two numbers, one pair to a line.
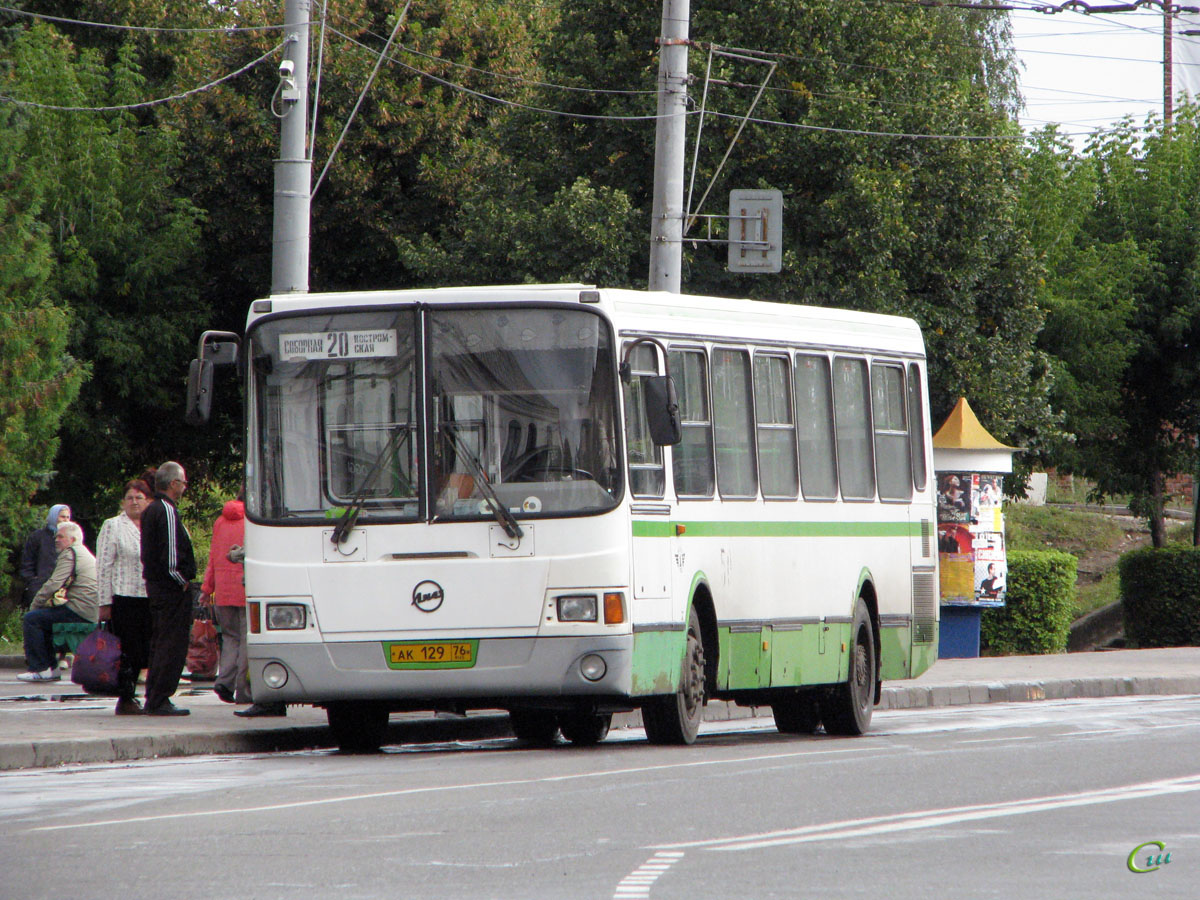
[524,399]
[333,416]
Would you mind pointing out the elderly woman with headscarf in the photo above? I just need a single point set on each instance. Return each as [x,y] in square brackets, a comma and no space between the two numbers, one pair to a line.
[39,555]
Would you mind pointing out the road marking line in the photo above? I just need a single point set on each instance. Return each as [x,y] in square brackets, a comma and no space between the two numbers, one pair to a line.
[638,882]
[933,818]
[405,792]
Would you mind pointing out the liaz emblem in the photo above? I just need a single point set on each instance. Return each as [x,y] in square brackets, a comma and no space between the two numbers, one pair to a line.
[428,596]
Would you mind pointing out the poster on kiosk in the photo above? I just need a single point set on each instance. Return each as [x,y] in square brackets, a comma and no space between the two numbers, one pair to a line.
[971,538]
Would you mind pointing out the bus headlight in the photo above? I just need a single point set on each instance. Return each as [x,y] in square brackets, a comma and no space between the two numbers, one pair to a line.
[577,608]
[274,675]
[286,616]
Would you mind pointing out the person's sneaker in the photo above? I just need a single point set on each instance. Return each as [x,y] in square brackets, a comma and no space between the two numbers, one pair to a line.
[45,675]
[128,706]
[167,708]
[224,694]
[262,709]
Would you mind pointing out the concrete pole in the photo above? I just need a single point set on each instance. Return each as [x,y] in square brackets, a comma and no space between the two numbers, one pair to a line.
[1168,64]
[293,169]
[666,224]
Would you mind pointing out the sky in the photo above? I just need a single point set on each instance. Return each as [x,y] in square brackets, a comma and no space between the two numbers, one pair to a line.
[1088,71]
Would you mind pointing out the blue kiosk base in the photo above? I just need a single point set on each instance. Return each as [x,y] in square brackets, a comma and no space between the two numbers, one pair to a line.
[959,634]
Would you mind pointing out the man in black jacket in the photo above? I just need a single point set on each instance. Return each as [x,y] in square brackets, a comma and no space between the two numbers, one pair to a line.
[169,566]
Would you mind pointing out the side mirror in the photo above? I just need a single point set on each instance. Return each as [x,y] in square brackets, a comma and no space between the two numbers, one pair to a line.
[662,410]
[199,392]
[216,348]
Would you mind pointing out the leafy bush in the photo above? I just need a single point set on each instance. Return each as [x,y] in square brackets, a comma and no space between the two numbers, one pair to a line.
[1036,617]
[1160,590]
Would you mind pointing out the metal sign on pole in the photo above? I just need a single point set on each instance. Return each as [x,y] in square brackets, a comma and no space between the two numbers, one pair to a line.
[755,231]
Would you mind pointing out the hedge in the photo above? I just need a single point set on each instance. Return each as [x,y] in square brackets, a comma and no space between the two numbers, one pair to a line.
[1160,591]
[1039,606]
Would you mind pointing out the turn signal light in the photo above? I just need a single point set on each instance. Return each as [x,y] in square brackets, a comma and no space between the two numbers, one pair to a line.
[252,619]
[614,608]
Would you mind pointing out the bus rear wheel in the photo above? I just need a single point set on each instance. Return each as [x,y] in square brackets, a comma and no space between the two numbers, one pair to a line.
[359,726]
[676,719]
[847,707]
[585,729]
[534,727]
[798,712]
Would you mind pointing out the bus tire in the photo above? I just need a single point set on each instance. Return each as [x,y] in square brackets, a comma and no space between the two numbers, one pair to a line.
[847,707]
[585,729]
[797,712]
[359,726]
[676,719]
[534,727]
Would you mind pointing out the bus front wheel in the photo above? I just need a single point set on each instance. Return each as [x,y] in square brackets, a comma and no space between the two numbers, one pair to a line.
[534,727]
[676,719]
[847,707]
[359,726]
[584,729]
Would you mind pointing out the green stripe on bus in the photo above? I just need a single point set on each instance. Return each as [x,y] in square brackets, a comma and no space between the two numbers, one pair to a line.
[778,529]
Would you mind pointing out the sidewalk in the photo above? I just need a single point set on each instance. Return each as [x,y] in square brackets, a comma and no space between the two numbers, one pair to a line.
[55,724]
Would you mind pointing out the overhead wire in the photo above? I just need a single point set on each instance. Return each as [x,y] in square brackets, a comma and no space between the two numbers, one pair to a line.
[164,29]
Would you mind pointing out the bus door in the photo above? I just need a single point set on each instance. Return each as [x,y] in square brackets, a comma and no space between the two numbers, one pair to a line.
[651,512]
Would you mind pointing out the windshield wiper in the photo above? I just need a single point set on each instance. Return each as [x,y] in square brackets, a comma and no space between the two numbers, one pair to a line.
[350,515]
[501,512]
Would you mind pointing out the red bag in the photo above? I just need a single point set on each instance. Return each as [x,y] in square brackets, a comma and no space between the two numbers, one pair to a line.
[97,660]
[203,650]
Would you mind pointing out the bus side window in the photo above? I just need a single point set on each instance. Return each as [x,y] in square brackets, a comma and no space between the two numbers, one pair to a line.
[852,417]
[646,474]
[814,428]
[776,427]
[916,427]
[733,424]
[893,467]
[692,458]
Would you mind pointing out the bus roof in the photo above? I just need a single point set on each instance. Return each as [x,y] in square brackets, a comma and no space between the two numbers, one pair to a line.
[652,312]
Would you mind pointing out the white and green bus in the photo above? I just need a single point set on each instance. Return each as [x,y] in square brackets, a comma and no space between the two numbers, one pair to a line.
[567,502]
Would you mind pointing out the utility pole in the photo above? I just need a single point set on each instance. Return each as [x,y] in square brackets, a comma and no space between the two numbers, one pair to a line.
[293,169]
[1168,63]
[670,137]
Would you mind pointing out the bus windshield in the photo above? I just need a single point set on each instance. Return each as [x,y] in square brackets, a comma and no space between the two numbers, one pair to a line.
[511,413]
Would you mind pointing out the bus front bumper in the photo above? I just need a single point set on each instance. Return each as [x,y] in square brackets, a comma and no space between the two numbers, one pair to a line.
[505,669]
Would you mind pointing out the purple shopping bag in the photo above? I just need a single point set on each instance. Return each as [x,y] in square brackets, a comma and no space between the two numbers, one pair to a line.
[97,659]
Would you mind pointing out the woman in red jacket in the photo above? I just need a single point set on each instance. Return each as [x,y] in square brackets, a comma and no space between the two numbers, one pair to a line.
[224,581]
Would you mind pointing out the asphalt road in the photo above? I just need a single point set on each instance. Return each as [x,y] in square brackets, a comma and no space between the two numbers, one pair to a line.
[1044,800]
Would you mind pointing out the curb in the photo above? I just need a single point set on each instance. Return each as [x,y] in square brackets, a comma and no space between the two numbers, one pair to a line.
[303,737]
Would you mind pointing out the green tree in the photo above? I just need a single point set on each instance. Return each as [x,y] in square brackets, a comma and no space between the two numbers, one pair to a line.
[38,378]
[1119,226]
[121,240]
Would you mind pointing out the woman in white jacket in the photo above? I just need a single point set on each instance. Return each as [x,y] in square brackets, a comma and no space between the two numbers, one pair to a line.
[122,591]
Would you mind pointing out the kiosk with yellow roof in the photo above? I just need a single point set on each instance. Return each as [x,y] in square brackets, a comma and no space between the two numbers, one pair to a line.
[970,466]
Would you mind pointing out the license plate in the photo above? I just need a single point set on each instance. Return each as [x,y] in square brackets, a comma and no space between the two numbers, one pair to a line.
[431,654]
